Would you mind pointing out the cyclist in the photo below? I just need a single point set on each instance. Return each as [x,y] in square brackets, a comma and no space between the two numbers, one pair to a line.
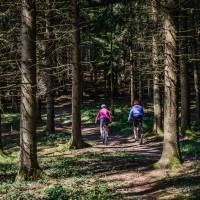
[104,117]
[137,113]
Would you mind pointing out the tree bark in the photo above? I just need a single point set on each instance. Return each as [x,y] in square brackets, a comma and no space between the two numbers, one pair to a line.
[1,145]
[29,168]
[196,75]
[38,109]
[49,55]
[132,77]
[112,89]
[197,92]
[185,107]
[157,128]
[171,157]
[76,139]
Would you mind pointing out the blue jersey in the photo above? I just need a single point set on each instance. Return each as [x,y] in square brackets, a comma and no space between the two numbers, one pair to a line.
[135,111]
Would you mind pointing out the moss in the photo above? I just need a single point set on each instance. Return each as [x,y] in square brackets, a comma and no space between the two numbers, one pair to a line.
[80,145]
[33,174]
[160,132]
[172,163]
[189,134]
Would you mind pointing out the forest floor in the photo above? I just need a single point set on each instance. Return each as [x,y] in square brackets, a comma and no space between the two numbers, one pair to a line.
[120,170]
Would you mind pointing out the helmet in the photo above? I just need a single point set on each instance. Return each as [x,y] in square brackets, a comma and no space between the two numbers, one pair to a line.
[136,102]
[103,106]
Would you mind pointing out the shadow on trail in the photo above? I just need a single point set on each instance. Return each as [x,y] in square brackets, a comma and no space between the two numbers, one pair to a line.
[120,156]
[157,188]
[106,163]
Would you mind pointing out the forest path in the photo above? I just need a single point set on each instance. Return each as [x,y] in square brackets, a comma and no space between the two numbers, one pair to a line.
[128,170]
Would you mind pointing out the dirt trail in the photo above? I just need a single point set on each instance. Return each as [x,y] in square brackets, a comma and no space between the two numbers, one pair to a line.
[133,176]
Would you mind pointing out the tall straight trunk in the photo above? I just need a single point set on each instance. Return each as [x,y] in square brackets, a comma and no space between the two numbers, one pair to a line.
[171,156]
[14,101]
[1,145]
[38,109]
[140,86]
[196,75]
[116,88]
[111,70]
[157,128]
[156,77]
[105,83]
[185,110]
[28,145]
[132,77]
[197,92]
[112,89]
[49,56]
[76,139]
[196,69]
[185,113]
[149,88]
[38,99]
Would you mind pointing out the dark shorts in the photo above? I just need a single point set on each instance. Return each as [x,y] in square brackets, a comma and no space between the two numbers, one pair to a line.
[137,120]
[103,122]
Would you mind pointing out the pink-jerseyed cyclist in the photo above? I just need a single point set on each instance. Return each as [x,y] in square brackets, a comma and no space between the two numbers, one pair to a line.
[104,117]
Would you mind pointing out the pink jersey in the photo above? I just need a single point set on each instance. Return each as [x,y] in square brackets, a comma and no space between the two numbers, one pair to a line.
[104,114]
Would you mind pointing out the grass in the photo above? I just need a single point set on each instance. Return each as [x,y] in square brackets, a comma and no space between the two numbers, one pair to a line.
[82,173]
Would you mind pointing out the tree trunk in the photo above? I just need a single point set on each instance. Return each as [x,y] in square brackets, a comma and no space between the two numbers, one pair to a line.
[196,81]
[112,89]
[185,109]
[197,92]
[38,109]
[29,168]
[132,77]
[1,145]
[157,128]
[76,139]
[140,86]
[49,56]
[171,156]
[185,113]
[111,69]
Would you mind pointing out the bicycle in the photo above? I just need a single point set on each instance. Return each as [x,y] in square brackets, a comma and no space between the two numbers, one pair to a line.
[105,134]
[138,131]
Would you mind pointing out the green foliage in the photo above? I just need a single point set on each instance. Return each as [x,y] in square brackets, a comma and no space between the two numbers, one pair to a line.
[12,118]
[98,192]
[64,118]
[16,191]
[50,138]
[189,134]
[191,147]
[53,192]
[88,114]
[195,126]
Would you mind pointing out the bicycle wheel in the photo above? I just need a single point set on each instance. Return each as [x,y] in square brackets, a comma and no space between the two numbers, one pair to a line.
[140,135]
[105,135]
